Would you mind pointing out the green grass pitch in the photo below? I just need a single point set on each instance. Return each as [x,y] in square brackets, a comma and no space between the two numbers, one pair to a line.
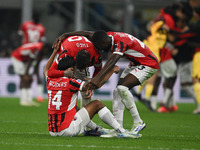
[25,128]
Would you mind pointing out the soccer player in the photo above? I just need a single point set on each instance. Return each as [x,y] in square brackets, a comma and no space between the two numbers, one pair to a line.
[191,37]
[72,46]
[23,58]
[63,118]
[143,64]
[31,32]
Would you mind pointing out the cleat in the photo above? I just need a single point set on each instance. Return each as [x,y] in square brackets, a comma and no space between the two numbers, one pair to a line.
[196,111]
[40,99]
[29,104]
[128,134]
[106,131]
[174,108]
[91,133]
[163,109]
[112,134]
[137,127]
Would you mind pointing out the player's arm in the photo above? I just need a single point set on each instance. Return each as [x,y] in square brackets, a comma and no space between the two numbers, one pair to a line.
[109,65]
[89,93]
[87,34]
[50,61]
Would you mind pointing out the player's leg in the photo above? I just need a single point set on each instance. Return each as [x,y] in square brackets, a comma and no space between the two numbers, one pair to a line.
[133,76]
[168,70]
[118,107]
[186,70]
[196,82]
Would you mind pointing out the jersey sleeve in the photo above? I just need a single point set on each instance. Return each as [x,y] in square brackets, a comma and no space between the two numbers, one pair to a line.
[53,71]
[119,48]
[75,85]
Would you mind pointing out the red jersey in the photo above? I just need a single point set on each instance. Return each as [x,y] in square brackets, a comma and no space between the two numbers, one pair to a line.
[27,51]
[32,32]
[165,54]
[70,47]
[133,49]
[62,101]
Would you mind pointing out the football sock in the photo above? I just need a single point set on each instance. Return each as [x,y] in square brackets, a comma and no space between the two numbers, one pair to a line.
[23,95]
[148,91]
[167,95]
[29,95]
[197,92]
[92,125]
[189,90]
[128,100]
[107,117]
[118,107]
[153,100]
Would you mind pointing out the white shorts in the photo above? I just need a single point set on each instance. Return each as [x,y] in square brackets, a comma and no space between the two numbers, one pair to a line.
[142,73]
[77,126]
[168,68]
[20,67]
[185,70]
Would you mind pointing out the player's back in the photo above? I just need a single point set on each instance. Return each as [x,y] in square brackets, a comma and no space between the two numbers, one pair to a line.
[32,32]
[71,45]
[24,52]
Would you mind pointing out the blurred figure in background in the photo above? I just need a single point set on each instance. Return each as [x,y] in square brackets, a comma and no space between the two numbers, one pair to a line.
[32,31]
[23,61]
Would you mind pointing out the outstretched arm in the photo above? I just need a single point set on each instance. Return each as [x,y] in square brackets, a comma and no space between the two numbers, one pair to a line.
[50,61]
[110,64]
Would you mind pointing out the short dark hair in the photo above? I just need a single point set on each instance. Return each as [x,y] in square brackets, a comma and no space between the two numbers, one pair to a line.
[82,59]
[36,17]
[66,62]
[101,40]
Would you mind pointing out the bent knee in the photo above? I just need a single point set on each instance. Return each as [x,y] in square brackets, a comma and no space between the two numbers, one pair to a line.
[122,88]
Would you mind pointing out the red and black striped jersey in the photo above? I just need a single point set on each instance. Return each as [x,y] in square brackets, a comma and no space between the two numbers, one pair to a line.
[70,47]
[62,101]
[27,51]
[133,49]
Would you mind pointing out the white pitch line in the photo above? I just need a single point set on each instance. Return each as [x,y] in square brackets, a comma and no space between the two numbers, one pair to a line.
[77,146]
[92,146]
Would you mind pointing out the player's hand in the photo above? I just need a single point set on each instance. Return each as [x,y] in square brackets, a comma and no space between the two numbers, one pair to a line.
[116,69]
[69,72]
[58,41]
[89,93]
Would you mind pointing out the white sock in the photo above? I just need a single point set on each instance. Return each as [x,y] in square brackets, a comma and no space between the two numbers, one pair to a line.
[40,90]
[29,95]
[107,117]
[167,95]
[128,100]
[23,95]
[153,100]
[92,125]
[172,102]
[189,91]
[118,107]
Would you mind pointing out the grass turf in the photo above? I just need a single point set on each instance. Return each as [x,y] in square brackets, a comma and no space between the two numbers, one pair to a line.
[23,128]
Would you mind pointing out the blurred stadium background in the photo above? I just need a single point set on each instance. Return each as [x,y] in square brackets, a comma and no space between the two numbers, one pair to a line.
[59,16]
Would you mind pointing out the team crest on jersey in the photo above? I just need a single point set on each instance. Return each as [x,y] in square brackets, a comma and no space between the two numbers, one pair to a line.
[79,81]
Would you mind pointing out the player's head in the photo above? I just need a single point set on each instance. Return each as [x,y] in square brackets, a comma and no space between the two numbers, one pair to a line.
[101,41]
[65,63]
[82,59]
[36,18]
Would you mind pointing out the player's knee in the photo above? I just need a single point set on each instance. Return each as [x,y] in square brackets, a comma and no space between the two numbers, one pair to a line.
[121,89]
[98,104]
